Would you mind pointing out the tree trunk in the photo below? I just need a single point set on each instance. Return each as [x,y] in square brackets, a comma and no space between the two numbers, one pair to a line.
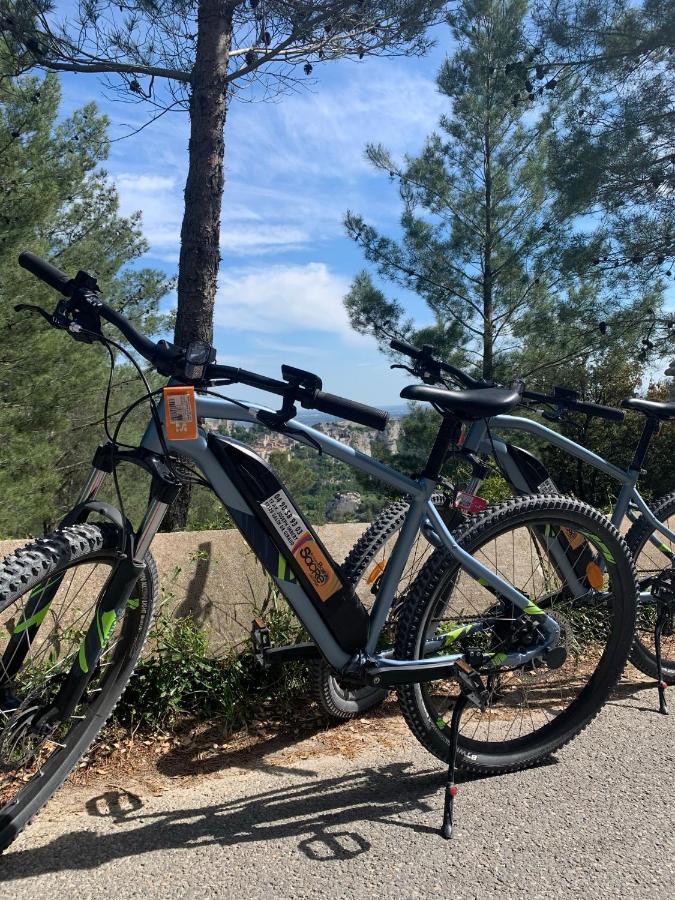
[200,231]
[488,304]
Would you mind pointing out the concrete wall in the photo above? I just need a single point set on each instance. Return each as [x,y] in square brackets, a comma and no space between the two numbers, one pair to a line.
[214,576]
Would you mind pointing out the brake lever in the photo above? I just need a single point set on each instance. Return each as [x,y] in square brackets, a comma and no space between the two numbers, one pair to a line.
[58,319]
[30,307]
[401,366]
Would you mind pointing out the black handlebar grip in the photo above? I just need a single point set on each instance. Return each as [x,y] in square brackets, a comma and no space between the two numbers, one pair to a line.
[406,348]
[46,272]
[349,409]
[596,409]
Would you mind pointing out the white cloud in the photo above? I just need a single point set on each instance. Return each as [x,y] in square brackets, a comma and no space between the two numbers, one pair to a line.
[243,231]
[134,183]
[322,133]
[261,238]
[292,168]
[159,199]
[284,298]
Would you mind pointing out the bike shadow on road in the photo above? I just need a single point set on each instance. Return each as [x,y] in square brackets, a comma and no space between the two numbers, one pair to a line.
[632,693]
[322,814]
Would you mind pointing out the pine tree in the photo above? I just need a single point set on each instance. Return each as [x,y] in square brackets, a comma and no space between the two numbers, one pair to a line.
[485,240]
[60,204]
[199,55]
[475,219]
[614,153]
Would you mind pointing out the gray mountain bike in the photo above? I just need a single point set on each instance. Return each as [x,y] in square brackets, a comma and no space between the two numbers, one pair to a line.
[75,606]
[651,536]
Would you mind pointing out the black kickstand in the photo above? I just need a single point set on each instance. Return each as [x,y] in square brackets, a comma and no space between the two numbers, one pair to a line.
[661,621]
[451,787]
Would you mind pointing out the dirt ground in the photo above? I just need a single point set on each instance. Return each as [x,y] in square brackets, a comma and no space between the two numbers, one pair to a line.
[150,764]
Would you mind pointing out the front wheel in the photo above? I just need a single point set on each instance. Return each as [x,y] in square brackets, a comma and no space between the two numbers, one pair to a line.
[48,597]
[533,710]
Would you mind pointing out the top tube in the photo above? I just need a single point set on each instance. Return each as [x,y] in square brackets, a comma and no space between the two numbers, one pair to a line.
[216,408]
[478,432]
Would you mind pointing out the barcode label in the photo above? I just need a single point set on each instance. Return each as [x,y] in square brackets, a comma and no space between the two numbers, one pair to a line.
[179,409]
[180,413]
[306,551]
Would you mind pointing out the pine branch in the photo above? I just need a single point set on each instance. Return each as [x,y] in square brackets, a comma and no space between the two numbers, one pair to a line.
[377,255]
[442,199]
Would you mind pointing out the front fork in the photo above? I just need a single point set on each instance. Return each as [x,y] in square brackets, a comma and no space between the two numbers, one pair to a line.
[39,601]
[109,608]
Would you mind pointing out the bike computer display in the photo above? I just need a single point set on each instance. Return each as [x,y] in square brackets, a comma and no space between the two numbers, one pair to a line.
[197,357]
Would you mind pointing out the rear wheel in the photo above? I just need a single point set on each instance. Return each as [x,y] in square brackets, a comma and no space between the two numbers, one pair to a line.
[532,710]
[654,554]
[38,649]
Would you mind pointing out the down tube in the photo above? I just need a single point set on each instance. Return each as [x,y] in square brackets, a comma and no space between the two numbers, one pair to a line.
[198,451]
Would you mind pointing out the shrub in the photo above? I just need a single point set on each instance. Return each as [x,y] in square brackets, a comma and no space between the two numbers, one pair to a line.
[182,678]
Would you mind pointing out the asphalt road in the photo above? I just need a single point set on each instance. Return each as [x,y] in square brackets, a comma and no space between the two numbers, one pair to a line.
[597,822]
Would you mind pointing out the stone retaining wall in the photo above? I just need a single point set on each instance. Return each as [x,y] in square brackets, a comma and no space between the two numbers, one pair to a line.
[214,576]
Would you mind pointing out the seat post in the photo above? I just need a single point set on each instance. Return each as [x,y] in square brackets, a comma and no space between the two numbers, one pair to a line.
[448,433]
[651,428]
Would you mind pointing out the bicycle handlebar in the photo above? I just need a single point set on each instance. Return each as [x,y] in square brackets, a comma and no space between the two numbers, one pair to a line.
[406,348]
[154,352]
[46,272]
[70,287]
[425,356]
[433,367]
[350,409]
[309,398]
[170,361]
[581,406]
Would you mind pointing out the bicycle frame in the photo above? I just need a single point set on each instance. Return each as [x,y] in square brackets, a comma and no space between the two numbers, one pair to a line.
[421,509]
[479,440]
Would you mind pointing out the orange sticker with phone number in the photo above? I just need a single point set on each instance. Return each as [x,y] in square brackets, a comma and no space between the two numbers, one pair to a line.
[180,413]
[289,525]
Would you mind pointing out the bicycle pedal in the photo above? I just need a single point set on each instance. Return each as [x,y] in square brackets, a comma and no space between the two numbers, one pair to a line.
[261,640]
[555,657]
[471,684]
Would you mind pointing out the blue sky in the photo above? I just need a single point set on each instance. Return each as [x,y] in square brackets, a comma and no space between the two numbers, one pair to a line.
[293,168]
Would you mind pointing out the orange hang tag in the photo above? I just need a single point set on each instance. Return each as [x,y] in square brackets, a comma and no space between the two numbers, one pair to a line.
[180,413]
